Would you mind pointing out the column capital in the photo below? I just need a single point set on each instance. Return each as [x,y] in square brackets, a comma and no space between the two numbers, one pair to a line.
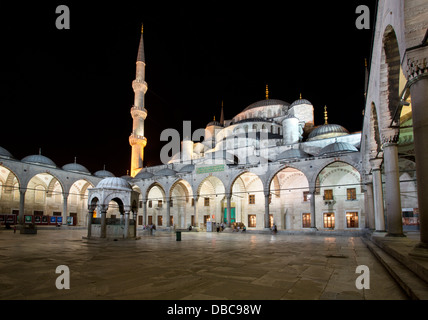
[390,138]
[417,63]
[376,163]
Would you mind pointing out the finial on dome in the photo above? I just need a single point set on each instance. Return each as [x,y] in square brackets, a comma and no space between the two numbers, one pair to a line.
[75,159]
[325,115]
[300,96]
[142,28]
[214,118]
[267,92]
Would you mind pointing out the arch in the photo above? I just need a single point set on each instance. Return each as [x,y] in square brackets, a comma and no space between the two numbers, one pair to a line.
[216,184]
[390,76]
[375,143]
[9,179]
[184,185]
[156,185]
[268,182]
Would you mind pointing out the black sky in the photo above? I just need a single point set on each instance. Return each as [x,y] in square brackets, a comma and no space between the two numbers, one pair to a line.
[69,92]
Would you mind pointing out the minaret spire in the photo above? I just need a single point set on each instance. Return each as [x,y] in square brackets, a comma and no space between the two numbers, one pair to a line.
[138,112]
[325,115]
[222,115]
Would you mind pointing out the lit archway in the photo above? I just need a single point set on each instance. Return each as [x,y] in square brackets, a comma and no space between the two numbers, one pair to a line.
[211,201]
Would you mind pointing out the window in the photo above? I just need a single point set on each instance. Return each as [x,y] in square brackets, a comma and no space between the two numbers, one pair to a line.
[307,196]
[328,194]
[171,203]
[329,220]
[306,220]
[193,202]
[150,203]
[252,199]
[171,221]
[206,202]
[159,203]
[150,218]
[270,220]
[352,219]
[252,220]
[206,219]
[351,194]
[160,220]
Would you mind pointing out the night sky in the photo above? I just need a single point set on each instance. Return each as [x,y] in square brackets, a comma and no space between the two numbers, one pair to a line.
[69,92]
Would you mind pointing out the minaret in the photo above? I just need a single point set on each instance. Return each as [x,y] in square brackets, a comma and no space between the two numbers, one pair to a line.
[138,112]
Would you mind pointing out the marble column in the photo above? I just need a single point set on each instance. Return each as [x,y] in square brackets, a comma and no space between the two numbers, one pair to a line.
[126,229]
[392,187]
[64,207]
[379,214]
[168,212]
[195,210]
[313,212]
[90,213]
[419,95]
[229,209]
[266,224]
[21,204]
[103,232]
[144,212]
[370,206]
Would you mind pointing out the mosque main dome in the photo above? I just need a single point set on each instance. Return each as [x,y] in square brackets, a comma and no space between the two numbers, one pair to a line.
[327,131]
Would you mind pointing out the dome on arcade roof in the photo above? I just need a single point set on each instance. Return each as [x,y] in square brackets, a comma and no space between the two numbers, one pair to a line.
[187,168]
[144,175]
[292,154]
[114,183]
[165,172]
[4,153]
[103,174]
[75,167]
[39,159]
[337,147]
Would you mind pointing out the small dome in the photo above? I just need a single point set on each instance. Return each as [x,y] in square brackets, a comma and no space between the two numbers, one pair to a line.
[39,159]
[114,183]
[337,147]
[214,123]
[5,154]
[75,167]
[267,103]
[327,131]
[188,168]
[299,102]
[292,154]
[103,174]
[165,172]
[126,177]
[144,175]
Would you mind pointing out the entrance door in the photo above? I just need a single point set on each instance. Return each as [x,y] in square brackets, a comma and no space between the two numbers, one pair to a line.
[232,215]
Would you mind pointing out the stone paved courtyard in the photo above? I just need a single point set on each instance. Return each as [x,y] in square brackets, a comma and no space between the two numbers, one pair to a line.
[203,266]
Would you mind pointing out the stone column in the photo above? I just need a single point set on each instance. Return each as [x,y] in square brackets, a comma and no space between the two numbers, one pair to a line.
[103,233]
[419,94]
[267,210]
[370,206]
[21,205]
[145,212]
[195,210]
[379,214]
[90,213]
[168,212]
[313,212]
[64,207]
[229,209]
[392,186]
[126,229]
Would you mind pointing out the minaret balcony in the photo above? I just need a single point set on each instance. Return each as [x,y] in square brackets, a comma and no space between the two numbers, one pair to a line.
[139,85]
[137,140]
[138,112]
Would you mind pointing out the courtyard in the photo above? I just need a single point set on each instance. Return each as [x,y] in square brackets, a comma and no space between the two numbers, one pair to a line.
[203,266]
